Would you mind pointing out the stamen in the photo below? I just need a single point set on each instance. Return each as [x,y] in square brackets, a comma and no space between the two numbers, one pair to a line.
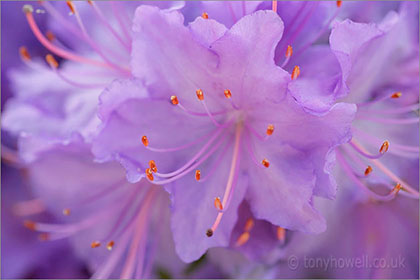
[242,239]
[44,236]
[95,244]
[396,94]
[359,148]
[228,93]
[110,245]
[384,148]
[30,225]
[270,129]
[218,204]
[205,15]
[149,174]
[265,163]
[145,141]
[200,94]
[295,72]
[66,211]
[197,175]
[24,54]
[249,224]
[230,183]
[289,51]
[51,61]
[281,234]
[71,6]
[50,36]
[368,170]
[347,169]
[339,4]
[60,52]
[174,100]
[274,6]
[152,166]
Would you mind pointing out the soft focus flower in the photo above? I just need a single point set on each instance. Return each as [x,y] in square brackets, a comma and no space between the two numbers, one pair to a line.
[155,131]
[383,82]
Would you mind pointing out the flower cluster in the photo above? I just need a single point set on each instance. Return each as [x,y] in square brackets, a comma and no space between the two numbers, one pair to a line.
[210,139]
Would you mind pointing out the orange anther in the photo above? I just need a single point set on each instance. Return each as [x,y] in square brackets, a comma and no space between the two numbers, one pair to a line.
[270,129]
[249,224]
[174,100]
[396,94]
[149,174]
[281,234]
[339,3]
[384,148]
[51,61]
[197,175]
[242,239]
[110,245]
[145,141]
[50,36]
[295,72]
[266,163]
[30,225]
[218,204]
[66,211]
[152,166]
[200,94]
[368,170]
[23,51]
[71,6]
[205,15]
[95,244]
[289,51]
[228,93]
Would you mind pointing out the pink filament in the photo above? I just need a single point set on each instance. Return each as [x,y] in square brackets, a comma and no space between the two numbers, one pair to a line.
[58,51]
[195,157]
[233,167]
[356,145]
[349,172]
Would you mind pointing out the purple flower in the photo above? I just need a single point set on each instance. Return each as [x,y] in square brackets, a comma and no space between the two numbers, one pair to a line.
[118,229]
[222,115]
[379,63]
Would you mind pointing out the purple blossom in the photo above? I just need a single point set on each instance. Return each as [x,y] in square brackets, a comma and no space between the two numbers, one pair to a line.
[238,112]
[217,134]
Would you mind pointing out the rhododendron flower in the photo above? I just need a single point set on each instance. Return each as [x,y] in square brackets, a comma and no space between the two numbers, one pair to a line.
[199,139]
[221,126]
